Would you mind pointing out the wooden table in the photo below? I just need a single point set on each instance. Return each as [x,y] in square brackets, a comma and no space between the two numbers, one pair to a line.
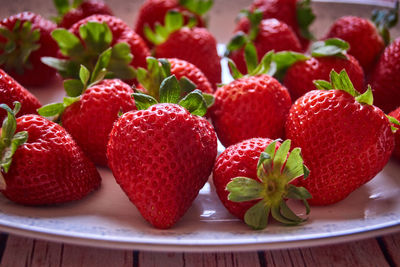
[18,251]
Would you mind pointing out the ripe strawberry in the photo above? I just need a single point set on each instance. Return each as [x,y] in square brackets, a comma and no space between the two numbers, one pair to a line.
[385,79]
[89,116]
[254,177]
[70,14]
[366,39]
[45,165]
[266,35]
[396,114]
[153,12]
[195,45]
[11,91]
[327,55]
[24,39]
[170,153]
[345,140]
[92,36]
[297,14]
[255,105]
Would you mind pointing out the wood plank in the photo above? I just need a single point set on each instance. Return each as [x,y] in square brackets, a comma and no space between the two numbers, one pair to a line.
[360,253]
[153,259]
[18,252]
[392,245]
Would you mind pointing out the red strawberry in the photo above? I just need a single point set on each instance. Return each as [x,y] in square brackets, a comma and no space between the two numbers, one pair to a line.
[48,167]
[255,105]
[345,140]
[396,114]
[89,115]
[70,14]
[385,79]
[170,154]
[11,91]
[363,36]
[91,37]
[266,35]
[153,12]
[300,76]
[297,14]
[24,39]
[253,178]
[195,45]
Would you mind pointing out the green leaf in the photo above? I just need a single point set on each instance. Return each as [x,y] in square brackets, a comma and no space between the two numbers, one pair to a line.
[255,19]
[305,18]
[120,60]
[101,66]
[9,124]
[280,156]
[237,42]
[257,216]
[394,123]
[187,85]
[284,60]
[294,165]
[330,47]
[210,99]
[236,74]
[199,7]
[62,6]
[84,75]
[73,87]
[264,165]
[19,139]
[51,110]
[386,19]
[69,44]
[276,214]
[342,82]
[173,21]
[67,101]
[298,193]
[143,101]
[366,98]
[194,102]
[287,213]
[67,68]
[251,58]
[323,85]
[243,189]
[266,65]
[97,36]
[170,91]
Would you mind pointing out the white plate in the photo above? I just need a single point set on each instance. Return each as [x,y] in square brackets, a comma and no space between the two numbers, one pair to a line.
[106,218]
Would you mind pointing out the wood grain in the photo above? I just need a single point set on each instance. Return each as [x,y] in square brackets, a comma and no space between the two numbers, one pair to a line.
[391,243]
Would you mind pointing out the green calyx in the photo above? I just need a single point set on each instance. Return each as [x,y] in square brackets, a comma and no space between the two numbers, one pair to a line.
[9,139]
[275,170]
[172,91]
[63,7]
[199,7]
[305,18]
[173,22]
[330,47]
[21,42]
[273,64]
[384,20]
[96,41]
[241,39]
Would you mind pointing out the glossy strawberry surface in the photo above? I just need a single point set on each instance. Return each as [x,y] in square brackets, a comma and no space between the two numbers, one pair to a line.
[196,46]
[161,157]
[385,79]
[300,76]
[84,10]
[255,106]
[91,119]
[10,91]
[273,35]
[34,72]
[396,114]
[365,42]
[50,167]
[121,33]
[344,143]
[238,160]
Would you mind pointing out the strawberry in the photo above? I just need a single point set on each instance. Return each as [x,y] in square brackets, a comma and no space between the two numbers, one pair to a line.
[396,114]
[255,105]
[153,12]
[366,39]
[385,78]
[11,91]
[69,14]
[170,153]
[195,45]
[345,140]
[297,14]
[89,115]
[40,162]
[24,39]
[92,36]
[159,69]
[253,178]
[266,35]
[326,55]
